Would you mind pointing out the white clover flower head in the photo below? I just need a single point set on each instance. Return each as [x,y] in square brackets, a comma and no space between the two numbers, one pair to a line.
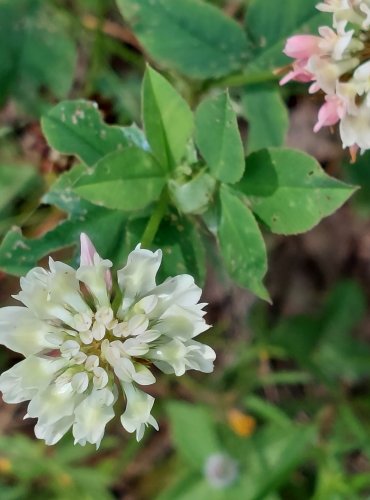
[337,63]
[220,470]
[83,344]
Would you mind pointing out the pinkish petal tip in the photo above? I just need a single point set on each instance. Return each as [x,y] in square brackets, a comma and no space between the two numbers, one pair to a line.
[87,251]
[108,280]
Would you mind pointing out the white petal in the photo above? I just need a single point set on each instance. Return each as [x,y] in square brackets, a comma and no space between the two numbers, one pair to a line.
[54,432]
[92,362]
[104,315]
[137,324]
[183,323]
[164,367]
[82,321]
[94,277]
[63,382]
[137,278]
[200,356]
[110,351]
[80,382]
[143,376]
[149,336]
[176,357]
[137,413]
[79,358]
[173,353]
[25,379]
[133,347]
[86,337]
[51,295]
[121,329]
[22,332]
[98,331]
[146,304]
[92,415]
[180,290]
[100,379]
[69,348]
[124,369]
[50,405]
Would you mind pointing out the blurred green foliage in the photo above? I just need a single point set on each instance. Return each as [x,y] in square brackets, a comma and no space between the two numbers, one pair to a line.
[29,470]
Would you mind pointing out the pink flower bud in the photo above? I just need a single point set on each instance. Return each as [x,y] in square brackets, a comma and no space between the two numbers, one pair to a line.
[302,46]
[299,73]
[330,113]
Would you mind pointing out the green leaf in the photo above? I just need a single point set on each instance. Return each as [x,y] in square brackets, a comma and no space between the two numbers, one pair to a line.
[125,180]
[299,336]
[194,486]
[181,244]
[284,378]
[276,454]
[183,249]
[19,254]
[181,487]
[62,195]
[76,128]
[289,191]
[167,118]
[269,29]
[194,196]
[241,243]
[218,138]
[193,433]
[339,354]
[122,93]
[15,181]
[324,345]
[344,309]
[267,411]
[34,52]
[359,174]
[267,117]
[189,36]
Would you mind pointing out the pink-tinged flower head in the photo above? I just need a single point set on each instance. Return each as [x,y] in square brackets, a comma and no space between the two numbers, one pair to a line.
[330,113]
[336,63]
[302,46]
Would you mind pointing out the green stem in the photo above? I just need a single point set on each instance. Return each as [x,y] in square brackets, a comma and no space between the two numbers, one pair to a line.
[242,79]
[124,53]
[155,220]
[97,55]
